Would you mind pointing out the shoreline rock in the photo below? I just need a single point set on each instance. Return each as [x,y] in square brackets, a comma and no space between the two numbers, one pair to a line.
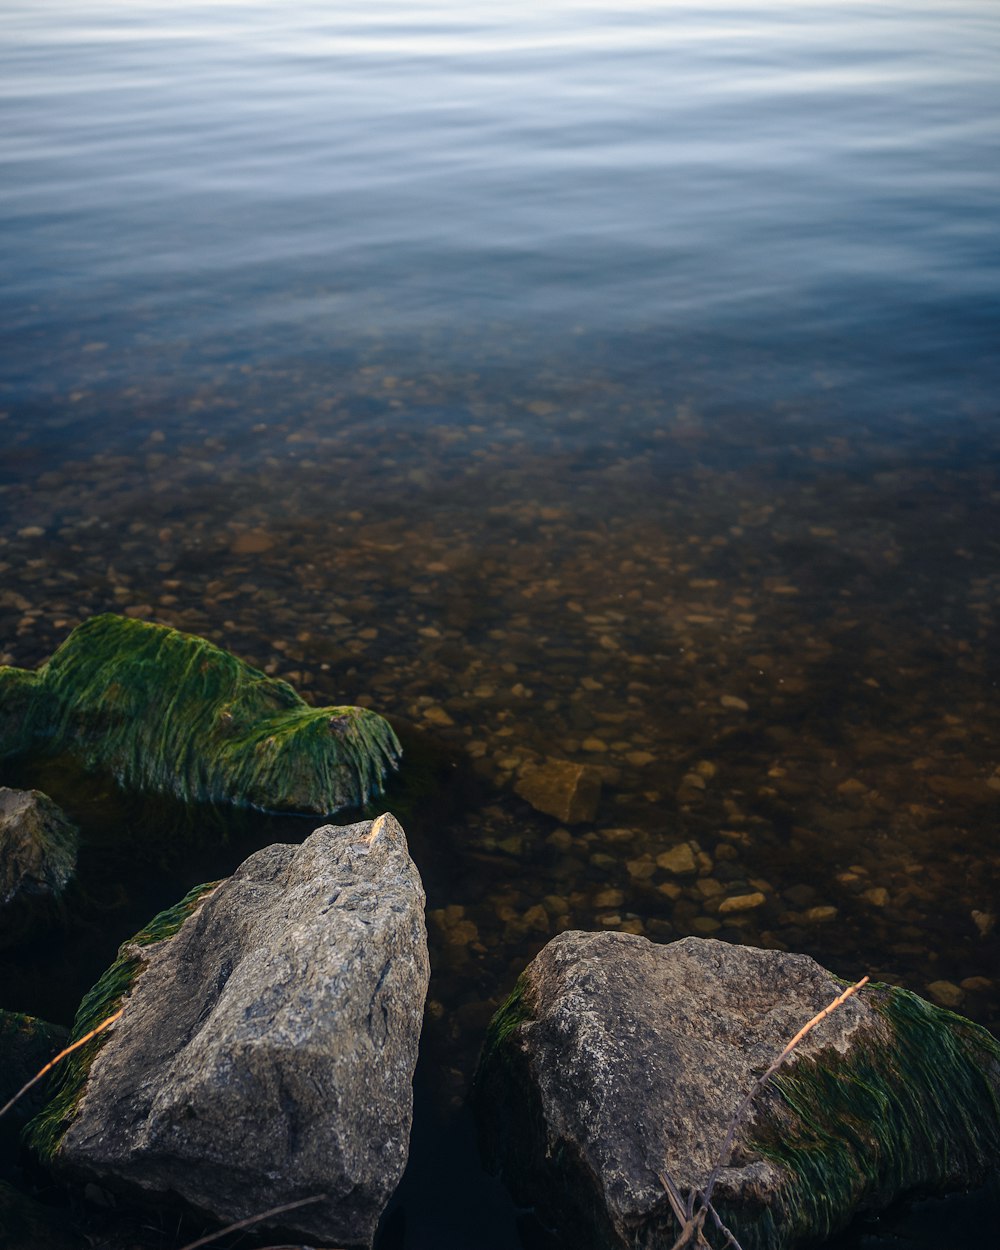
[38,848]
[267,1046]
[616,1060]
[169,712]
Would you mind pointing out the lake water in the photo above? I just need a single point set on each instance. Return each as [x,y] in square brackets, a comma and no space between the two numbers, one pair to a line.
[609,383]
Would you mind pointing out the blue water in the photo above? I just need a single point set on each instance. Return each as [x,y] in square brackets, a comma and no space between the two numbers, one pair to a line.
[814,183]
[532,362]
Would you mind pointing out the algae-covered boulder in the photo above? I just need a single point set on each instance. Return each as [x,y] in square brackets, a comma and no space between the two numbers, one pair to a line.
[38,845]
[617,1062]
[267,1044]
[167,712]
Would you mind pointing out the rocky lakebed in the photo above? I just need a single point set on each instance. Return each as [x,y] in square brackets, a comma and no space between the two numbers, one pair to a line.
[248,1057]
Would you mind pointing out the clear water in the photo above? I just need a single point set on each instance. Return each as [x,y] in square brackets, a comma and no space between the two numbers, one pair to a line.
[613,383]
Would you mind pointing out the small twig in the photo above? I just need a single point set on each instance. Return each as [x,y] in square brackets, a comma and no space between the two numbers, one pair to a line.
[254,1219]
[673,1196]
[62,1055]
[762,1080]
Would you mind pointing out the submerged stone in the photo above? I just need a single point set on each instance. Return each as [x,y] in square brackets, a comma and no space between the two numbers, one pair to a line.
[617,1061]
[38,845]
[569,792]
[168,712]
[267,1045]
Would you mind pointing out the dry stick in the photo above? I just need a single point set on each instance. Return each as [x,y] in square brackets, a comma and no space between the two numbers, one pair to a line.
[62,1055]
[254,1219]
[742,1109]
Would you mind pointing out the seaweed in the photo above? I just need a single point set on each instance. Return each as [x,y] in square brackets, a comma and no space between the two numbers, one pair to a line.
[917,1111]
[46,1130]
[169,712]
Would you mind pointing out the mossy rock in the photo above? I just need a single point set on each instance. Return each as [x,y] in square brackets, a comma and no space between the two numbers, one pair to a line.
[617,1061]
[67,1085]
[166,712]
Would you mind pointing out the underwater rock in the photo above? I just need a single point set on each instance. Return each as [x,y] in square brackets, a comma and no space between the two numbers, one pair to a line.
[38,845]
[616,1061]
[168,712]
[569,792]
[267,1046]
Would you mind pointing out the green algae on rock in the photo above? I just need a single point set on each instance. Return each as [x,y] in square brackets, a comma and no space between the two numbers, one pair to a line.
[169,712]
[617,1061]
[45,1131]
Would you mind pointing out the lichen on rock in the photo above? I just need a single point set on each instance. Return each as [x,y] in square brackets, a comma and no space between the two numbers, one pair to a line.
[167,712]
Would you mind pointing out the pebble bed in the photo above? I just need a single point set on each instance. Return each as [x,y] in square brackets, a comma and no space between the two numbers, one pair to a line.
[775,644]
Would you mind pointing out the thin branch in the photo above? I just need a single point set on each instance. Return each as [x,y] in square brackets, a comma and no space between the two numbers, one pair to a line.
[62,1055]
[755,1088]
[673,1196]
[254,1219]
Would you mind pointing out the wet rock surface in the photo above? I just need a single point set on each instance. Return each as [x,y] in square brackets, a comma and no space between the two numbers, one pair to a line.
[617,1061]
[162,710]
[267,1048]
[38,847]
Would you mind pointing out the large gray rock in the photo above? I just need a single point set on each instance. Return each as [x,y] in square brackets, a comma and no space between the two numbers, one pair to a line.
[38,845]
[617,1061]
[267,1048]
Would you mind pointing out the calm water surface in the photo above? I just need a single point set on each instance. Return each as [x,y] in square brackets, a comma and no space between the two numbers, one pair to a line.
[610,383]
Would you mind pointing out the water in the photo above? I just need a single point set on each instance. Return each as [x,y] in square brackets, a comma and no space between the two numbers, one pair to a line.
[616,384]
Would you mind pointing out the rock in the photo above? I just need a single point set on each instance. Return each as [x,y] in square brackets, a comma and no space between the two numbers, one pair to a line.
[946,994]
[679,860]
[569,792]
[26,1046]
[616,1060]
[168,712]
[267,1046]
[741,902]
[38,845]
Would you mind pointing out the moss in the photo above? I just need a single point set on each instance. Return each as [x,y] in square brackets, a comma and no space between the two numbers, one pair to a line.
[168,712]
[512,1012]
[45,1131]
[918,1111]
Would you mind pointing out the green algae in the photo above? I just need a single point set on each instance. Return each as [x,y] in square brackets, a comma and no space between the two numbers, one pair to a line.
[917,1111]
[45,1131]
[168,712]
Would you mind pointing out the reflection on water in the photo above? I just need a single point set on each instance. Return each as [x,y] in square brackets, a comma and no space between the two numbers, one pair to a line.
[609,386]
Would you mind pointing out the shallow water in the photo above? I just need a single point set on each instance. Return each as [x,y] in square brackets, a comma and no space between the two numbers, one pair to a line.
[613,385]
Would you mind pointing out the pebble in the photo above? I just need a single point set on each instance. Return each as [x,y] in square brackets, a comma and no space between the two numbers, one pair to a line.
[705,925]
[679,860]
[741,902]
[437,716]
[31,531]
[735,703]
[251,542]
[878,896]
[641,869]
[819,915]
[946,993]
